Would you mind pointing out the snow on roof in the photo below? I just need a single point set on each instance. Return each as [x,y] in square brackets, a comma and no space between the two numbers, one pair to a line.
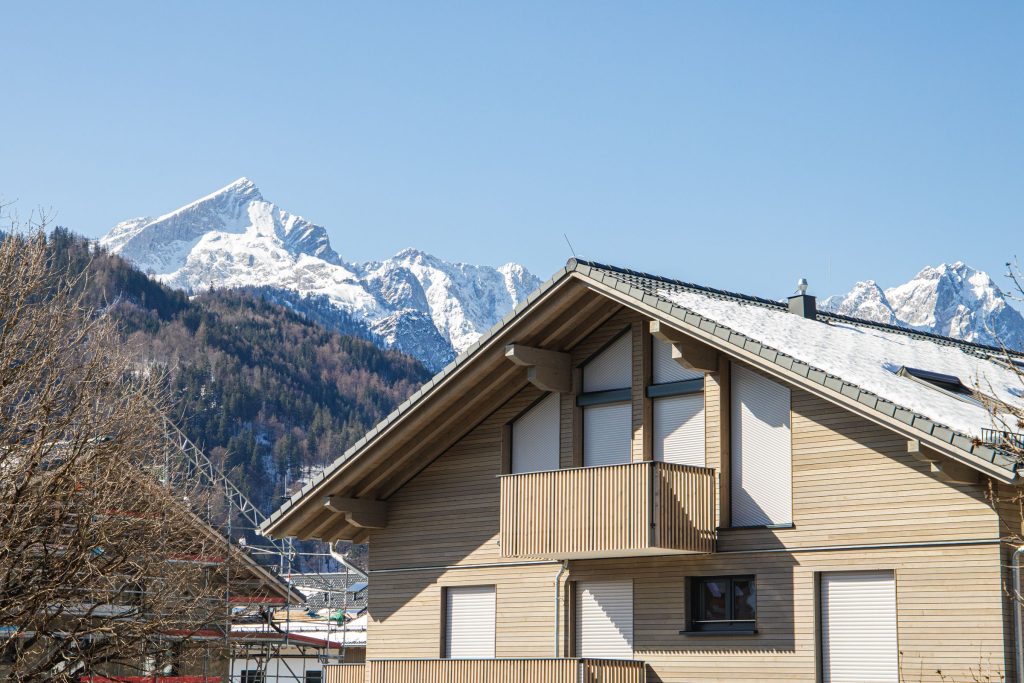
[870,357]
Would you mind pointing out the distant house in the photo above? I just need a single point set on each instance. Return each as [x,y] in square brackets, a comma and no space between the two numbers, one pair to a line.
[637,478]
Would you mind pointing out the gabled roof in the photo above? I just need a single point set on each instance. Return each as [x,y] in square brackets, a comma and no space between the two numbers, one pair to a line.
[845,359]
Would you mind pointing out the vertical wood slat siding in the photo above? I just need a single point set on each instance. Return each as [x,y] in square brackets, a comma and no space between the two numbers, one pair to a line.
[345,673]
[685,508]
[487,671]
[596,509]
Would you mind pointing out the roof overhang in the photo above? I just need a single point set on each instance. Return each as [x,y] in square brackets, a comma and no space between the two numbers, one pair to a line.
[448,406]
[556,316]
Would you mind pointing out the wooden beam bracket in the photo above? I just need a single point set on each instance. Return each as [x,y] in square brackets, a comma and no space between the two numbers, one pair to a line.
[545,369]
[686,351]
[360,512]
[942,468]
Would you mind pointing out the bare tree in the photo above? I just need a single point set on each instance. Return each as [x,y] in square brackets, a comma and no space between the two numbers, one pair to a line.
[103,570]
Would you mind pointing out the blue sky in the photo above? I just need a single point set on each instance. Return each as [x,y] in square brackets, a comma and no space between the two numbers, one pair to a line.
[738,144]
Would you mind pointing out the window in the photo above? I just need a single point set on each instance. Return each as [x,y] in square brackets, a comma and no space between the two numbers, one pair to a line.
[314,677]
[723,603]
[762,453]
[251,676]
[607,405]
[949,384]
[535,437]
[469,622]
[677,409]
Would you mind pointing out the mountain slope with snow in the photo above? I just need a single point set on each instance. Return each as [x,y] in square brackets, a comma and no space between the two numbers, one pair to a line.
[953,300]
[415,302]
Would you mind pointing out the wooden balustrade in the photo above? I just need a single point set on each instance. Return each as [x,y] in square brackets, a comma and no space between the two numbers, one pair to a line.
[637,508]
[487,671]
[345,673]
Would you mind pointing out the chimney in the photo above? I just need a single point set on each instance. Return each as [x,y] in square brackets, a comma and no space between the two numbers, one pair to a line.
[802,303]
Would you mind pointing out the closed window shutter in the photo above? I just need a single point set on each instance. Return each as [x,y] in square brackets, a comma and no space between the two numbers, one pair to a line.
[762,488]
[858,624]
[535,438]
[607,434]
[679,429]
[469,622]
[612,368]
[604,619]
[667,370]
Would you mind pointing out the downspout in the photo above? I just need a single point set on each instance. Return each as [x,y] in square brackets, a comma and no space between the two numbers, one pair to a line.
[558,601]
[1018,631]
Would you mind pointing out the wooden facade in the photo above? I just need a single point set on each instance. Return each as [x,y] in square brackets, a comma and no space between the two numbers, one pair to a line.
[860,501]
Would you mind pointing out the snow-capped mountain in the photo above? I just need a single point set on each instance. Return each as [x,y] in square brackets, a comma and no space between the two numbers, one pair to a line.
[415,302]
[952,300]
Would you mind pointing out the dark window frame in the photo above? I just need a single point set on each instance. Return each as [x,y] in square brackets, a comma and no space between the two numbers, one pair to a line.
[696,625]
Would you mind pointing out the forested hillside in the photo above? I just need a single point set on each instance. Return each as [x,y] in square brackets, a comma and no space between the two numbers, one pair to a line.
[269,394]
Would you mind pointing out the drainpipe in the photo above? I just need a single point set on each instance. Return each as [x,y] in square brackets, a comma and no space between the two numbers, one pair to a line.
[558,600]
[1018,631]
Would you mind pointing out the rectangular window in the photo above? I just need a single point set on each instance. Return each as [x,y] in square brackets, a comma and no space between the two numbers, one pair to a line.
[762,454]
[252,676]
[723,603]
[535,437]
[677,409]
[469,622]
[607,434]
[858,627]
[607,407]
[314,676]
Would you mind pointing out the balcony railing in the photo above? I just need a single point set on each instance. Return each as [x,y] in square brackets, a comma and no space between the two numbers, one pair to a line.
[1009,440]
[345,673]
[488,671]
[619,510]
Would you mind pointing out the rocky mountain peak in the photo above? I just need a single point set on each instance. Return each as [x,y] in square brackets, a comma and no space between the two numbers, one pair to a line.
[953,300]
[235,238]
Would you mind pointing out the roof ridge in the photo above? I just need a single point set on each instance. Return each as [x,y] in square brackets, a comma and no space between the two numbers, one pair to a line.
[970,347]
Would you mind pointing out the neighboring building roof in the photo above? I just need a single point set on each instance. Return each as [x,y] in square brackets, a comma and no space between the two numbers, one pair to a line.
[305,630]
[845,356]
[329,590]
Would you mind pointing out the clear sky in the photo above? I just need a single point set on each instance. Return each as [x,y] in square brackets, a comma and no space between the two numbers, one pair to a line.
[737,144]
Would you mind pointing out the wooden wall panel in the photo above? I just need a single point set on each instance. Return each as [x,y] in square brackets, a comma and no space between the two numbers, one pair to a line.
[855,483]
[405,613]
[949,611]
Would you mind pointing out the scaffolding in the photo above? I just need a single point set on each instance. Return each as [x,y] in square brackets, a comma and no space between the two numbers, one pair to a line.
[319,582]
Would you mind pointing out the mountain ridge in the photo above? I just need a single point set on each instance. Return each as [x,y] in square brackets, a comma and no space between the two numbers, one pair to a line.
[951,300]
[234,237]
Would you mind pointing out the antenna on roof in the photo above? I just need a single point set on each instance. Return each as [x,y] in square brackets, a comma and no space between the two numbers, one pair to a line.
[570,244]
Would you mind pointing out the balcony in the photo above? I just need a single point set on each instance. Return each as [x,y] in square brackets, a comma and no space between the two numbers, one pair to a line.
[488,671]
[642,508]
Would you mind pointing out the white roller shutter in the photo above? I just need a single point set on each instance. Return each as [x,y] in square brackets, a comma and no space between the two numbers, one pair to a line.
[607,434]
[469,622]
[604,619]
[667,370]
[612,368]
[858,627]
[535,438]
[762,487]
[679,429]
